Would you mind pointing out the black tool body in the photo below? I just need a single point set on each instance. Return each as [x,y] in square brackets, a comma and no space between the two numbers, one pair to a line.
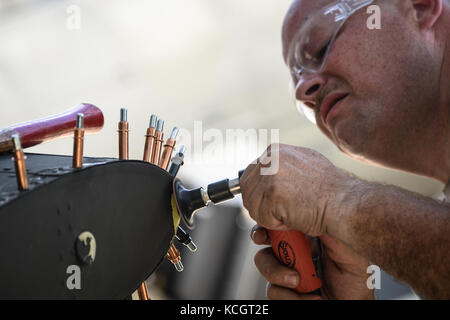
[125,205]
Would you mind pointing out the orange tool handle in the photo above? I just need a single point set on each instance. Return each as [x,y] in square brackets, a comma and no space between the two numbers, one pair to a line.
[293,250]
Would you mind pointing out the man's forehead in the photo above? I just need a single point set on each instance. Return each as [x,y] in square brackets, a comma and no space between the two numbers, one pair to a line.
[297,15]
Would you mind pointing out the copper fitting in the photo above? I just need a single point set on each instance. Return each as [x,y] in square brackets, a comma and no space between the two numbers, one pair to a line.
[150,138]
[158,142]
[168,149]
[78,142]
[19,163]
[142,292]
[174,256]
[123,135]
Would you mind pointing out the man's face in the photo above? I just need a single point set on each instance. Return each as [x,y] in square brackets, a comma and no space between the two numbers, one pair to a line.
[387,78]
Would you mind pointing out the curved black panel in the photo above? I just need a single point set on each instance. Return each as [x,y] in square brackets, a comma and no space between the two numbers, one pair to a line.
[124,204]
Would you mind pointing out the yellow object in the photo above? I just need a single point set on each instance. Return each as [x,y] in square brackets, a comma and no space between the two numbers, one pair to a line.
[175,215]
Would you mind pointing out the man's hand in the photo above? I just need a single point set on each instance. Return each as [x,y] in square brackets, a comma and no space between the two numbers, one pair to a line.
[307,193]
[344,271]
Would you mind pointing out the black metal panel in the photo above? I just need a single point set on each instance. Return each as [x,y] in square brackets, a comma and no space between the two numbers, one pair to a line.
[124,204]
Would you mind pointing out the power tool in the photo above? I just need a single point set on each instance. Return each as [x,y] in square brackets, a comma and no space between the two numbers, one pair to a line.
[290,247]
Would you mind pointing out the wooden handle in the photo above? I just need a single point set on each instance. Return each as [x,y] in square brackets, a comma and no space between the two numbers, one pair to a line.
[45,129]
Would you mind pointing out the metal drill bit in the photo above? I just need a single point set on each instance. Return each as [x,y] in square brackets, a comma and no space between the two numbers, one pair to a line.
[16,142]
[123,114]
[179,266]
[80,121]
[160,125]
[174,133]
[192,246]
[153,120]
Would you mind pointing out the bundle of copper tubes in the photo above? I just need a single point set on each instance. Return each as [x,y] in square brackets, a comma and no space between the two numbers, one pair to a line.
[158,153]
[155,151]
[19,155]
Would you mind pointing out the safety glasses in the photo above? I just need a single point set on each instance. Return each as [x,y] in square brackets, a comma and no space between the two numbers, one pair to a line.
[313,41]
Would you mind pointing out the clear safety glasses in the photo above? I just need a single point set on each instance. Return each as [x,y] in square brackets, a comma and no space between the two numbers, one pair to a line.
[314,39]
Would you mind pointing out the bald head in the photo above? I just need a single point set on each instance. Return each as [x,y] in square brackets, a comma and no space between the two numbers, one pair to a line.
[296,16]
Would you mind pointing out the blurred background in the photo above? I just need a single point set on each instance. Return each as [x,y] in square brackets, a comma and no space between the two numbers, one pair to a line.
[209,67]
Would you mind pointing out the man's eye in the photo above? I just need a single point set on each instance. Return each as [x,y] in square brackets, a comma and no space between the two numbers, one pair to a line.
[321,54]
[317,52]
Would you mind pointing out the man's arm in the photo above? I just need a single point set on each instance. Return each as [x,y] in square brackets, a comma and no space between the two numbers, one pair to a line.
[406,234]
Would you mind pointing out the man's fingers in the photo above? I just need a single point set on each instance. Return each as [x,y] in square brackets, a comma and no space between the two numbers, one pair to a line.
[273,271]
[259,235]
[249,174]
[252,202]
[251,194]
[275,292]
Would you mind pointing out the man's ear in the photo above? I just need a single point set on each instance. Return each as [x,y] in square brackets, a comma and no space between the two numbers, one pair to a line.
[427,12]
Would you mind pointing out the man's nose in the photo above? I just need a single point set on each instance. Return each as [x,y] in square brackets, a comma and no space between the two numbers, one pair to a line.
[308,88]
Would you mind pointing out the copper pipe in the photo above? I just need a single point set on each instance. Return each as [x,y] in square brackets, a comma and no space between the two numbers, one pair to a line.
[78,142]
[168,149]
[173,255]
[150,138]
[19,163]
[142,292]
[123,135]
[158,142]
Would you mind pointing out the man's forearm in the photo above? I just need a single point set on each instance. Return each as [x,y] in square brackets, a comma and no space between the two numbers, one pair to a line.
[406,234]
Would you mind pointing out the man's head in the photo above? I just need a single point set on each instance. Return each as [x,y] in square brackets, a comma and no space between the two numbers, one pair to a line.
[388,79]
